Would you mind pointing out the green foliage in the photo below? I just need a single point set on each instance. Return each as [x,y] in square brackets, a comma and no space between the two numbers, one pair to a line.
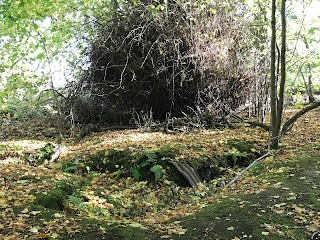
[26,26]
[303,47]
[75,200]
[240,155]
[56,198]
[299,101]
[40,157]
[157,170]
[45,153]
[148,163]
[242,146]
[232,159]
[68,166]
[198,162]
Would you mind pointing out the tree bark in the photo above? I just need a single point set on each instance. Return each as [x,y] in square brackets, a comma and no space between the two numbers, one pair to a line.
[297,115]
[276,138]
[309,90]
[53,89]
[273,95]
[309,84]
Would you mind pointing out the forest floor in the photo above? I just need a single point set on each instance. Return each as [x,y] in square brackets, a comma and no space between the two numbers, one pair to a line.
[279,198]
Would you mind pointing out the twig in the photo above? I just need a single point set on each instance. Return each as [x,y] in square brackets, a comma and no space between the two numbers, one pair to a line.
[239,175]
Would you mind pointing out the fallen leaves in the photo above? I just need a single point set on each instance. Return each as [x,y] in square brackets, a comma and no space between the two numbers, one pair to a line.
[130,203]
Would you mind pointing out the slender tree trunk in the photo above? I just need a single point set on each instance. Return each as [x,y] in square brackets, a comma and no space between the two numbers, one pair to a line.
[304,79]
[283,65]
[275,131]
[53,90]
[277,106]
[309,84]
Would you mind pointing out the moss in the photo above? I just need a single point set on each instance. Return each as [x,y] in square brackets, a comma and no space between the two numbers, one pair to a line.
[93,231]
[242,146]
[34,178]
[213,222]
[315,147]
[54,199]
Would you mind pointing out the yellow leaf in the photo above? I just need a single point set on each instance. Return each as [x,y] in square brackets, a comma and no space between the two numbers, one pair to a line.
[230,228]
[26,210]
[165,236]
[34,230]
[57,215]
[312,228]
[54,235]
[35,212]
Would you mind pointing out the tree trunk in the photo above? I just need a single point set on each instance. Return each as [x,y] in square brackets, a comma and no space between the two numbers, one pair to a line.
[277,106]
[273,97]
[53,89]
[297,115]
[309,84]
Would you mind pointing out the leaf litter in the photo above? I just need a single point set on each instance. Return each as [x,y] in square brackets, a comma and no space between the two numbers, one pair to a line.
[126,202]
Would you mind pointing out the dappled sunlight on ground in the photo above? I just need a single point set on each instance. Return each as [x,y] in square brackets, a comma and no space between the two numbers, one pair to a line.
[205,140]
[142,204]
[25,145]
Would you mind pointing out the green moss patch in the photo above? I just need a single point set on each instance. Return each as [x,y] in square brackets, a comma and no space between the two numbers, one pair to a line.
[285,210]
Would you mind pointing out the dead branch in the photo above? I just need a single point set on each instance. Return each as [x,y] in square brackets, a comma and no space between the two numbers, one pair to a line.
[292,120]
[247,168]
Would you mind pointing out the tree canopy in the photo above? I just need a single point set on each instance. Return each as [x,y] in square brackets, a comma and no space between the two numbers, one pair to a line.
[127,60]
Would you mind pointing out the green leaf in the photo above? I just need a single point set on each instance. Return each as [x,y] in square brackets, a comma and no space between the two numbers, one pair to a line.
[21,4]
[35,26]
[75,200]
[195,197]
[157,170]
[22,181]
[214,11]
[68,169]
[40,56]
[135,173]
